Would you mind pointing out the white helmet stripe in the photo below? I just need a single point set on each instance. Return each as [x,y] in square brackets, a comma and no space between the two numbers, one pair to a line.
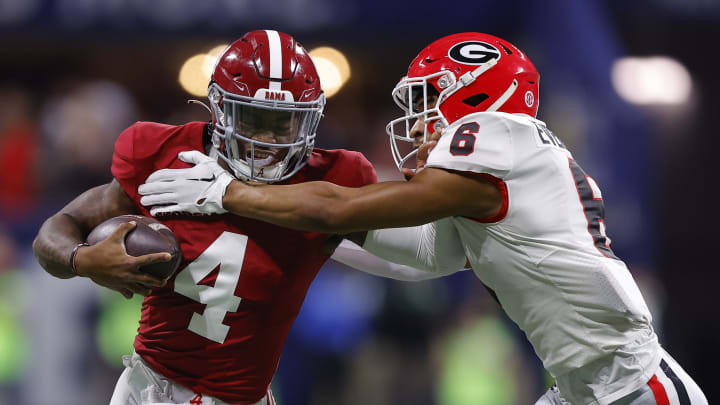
[500,101]
[276,62]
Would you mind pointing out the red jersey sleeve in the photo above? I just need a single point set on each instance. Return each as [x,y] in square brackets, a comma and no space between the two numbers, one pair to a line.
[145,147]
[124,167]
[352,169]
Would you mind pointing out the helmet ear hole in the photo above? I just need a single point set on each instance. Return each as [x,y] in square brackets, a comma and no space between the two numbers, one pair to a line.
[474,101]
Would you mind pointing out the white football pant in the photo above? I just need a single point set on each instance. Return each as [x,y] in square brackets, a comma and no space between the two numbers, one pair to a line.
[141,385]
[670,385]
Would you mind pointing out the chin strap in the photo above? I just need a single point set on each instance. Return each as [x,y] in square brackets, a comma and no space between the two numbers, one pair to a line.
[470,76]
[192,101]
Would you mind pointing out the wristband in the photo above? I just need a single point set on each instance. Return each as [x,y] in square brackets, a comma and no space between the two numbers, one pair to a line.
[74,254]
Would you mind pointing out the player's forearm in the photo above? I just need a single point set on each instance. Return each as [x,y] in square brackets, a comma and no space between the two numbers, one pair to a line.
[54,244]
[329,208]
[307,208]
[63,231]
[312,206]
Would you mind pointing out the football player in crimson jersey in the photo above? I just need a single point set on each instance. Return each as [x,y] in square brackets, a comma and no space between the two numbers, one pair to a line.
[214,332]
[522,210]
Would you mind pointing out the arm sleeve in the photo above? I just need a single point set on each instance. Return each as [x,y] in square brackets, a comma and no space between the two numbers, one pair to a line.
[123,167]
[435,247]
[352,255]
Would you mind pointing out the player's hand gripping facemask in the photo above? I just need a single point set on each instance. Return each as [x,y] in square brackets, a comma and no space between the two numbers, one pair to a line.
[196,190]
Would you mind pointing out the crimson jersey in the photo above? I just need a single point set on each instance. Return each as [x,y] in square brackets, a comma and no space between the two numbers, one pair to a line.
[218,326]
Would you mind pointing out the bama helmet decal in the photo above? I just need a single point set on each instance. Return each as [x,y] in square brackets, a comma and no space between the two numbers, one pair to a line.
[473,52]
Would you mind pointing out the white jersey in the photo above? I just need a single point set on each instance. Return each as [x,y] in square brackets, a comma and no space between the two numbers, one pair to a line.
[547,257]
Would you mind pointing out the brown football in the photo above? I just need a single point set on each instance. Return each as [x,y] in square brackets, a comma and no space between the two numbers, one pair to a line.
[148,236]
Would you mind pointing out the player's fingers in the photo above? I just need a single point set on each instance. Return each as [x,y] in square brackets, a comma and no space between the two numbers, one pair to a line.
[422,156]
[124,291]
[425,149]
[158,187]
[166,209]
[408,173]
[140,289]
[149,280]
[434,136]
[151,258]
[165,175]
[193,156]
[159,199]
[119,233]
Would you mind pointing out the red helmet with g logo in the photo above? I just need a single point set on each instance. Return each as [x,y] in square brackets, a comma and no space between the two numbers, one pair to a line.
[467,72]
[267,102]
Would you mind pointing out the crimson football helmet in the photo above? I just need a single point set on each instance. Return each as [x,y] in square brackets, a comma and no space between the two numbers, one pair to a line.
[465,73]
[267,103]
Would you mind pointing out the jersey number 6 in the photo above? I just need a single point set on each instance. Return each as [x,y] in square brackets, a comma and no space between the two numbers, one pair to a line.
[463,142]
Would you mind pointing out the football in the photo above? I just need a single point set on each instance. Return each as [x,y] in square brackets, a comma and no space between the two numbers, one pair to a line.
[148,236]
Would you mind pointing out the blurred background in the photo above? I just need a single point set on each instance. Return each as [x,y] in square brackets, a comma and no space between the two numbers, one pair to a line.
[630,87]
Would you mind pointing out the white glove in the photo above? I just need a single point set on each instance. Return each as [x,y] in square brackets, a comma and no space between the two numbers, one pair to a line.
[195,190]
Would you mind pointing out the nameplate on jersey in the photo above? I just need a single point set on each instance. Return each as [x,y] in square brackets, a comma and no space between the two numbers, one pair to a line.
[545,137]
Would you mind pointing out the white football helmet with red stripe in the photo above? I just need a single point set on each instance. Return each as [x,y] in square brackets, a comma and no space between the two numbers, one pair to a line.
[267,102]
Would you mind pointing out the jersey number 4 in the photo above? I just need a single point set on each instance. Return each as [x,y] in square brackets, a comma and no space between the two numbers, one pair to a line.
[225,254]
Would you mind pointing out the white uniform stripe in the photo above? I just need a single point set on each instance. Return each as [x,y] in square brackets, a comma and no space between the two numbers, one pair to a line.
[669,387]
[276,62]
[695,396]
[270,397]
[500,101]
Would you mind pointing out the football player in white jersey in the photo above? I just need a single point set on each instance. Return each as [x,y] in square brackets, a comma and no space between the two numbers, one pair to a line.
[505,194]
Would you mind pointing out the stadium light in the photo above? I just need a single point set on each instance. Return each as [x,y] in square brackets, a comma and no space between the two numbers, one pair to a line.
[195,72]
[210,58]
[191,75]
[651,80]
[332,67]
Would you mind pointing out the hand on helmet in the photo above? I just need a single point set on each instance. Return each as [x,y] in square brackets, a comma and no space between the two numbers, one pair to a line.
[195,190]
